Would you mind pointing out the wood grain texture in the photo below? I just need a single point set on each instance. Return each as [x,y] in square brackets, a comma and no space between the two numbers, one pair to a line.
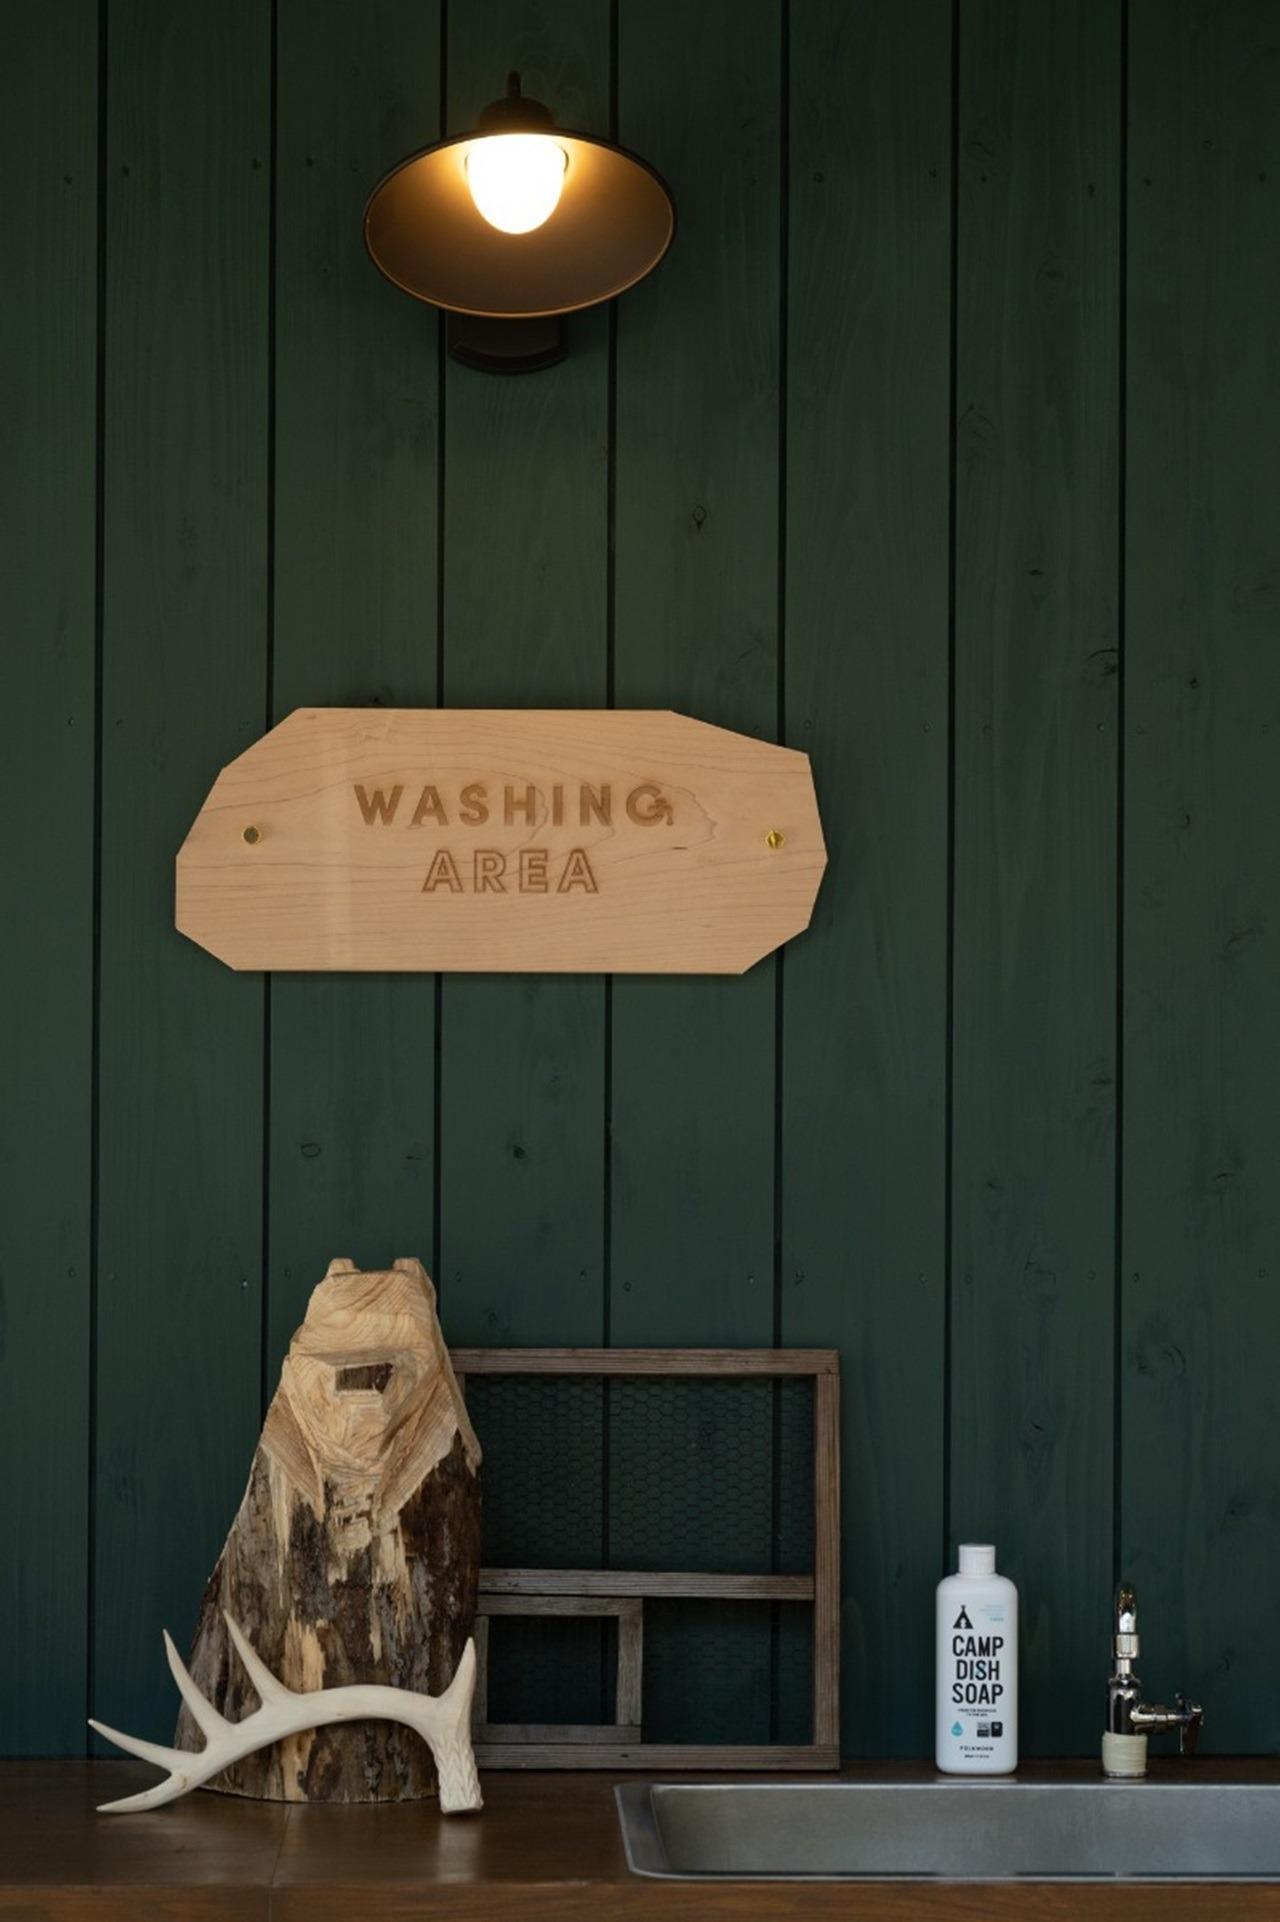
[826,1562]
[676,1362]
[210,1858]
[497,840]
[180,1235]
[864,1014]
[663,1757]
[524,612]
[689,1584]
[48,139]
[351,1119]
[629,1689]
[1035,830]
[1200,1429]
[544,1741]
[754,1902]
[538,1602]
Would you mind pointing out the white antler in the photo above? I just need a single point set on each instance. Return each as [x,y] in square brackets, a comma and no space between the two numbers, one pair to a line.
[443,1722]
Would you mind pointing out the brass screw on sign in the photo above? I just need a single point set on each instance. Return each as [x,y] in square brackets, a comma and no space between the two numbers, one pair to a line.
[253,836]
[773,839]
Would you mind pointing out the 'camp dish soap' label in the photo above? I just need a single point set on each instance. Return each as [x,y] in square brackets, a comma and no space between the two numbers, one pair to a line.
[977,1674]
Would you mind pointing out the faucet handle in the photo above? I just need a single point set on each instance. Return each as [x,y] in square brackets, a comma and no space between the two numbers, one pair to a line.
[1126,1645]
[1191,1723]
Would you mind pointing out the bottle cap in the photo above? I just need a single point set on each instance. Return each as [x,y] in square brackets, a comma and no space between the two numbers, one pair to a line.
[977,1558]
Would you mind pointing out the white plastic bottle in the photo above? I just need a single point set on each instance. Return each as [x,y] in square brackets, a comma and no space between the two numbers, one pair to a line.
[977,1701]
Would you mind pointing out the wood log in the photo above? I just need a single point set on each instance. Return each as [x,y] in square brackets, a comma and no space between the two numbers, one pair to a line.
[355,1552]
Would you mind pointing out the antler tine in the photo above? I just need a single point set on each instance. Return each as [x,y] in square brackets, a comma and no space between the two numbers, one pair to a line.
[269,1687]
[175,1762]
[202,1710]
[167,1791]
[164,1758]
[462,1686]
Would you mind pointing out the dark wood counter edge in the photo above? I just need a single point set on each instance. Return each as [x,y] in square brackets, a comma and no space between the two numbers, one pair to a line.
[546,1850]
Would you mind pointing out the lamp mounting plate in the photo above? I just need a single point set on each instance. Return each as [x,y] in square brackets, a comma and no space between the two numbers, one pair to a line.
[497,344]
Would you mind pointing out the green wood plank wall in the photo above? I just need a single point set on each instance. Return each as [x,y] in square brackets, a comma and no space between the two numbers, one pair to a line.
[864,1015]
[695,611]
[939,447]
[1034,981]
[184,605]
[48,402]
[1200,1416]
[525,573]
[351,1110]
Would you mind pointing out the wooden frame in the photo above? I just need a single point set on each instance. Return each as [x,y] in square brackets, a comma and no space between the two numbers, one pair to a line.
[622,1592]
[489,1736]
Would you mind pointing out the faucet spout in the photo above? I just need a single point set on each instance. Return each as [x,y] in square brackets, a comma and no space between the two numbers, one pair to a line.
[1125,1645]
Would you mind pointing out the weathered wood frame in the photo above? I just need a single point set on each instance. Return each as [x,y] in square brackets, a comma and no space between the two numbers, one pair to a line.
[505,1591]
[627,1611]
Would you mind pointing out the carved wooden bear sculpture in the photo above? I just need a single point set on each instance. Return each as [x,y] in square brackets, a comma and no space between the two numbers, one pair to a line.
[355,1553]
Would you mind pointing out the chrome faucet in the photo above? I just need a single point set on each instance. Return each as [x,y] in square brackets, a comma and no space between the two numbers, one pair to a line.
[1129,1718]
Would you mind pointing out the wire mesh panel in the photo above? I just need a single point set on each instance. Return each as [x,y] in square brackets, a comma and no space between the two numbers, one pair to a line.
[691,1474]
[646,1473]
[552,1668]
[544,1481]
[754,1661]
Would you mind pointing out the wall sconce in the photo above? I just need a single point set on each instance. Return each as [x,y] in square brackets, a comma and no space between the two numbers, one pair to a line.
[515,225]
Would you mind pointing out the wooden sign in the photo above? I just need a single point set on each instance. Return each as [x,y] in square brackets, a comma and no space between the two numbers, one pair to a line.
[533,841]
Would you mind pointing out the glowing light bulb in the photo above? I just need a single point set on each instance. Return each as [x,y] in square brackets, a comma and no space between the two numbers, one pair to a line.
[515,179]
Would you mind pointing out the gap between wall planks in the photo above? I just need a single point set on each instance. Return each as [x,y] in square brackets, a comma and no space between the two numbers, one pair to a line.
[661,462]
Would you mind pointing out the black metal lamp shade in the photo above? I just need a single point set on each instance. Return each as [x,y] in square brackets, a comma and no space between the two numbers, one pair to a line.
[611,226]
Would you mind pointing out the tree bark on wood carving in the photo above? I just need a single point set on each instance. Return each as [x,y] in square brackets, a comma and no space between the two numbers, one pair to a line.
[355,1552]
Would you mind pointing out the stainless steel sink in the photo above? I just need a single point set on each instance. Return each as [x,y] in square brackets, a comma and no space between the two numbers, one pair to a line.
[954,1830]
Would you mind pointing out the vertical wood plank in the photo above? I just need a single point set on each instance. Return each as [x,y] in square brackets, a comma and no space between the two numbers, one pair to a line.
[864,1034]
[1035,831]
[826,1560]
[48,143]
[1200,1424]
[184,681]
[629,1696]
[695,629]
[352,1057]
[522,1132]
[695,626]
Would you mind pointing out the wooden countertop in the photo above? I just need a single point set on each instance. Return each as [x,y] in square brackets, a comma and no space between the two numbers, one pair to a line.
[546,1849]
